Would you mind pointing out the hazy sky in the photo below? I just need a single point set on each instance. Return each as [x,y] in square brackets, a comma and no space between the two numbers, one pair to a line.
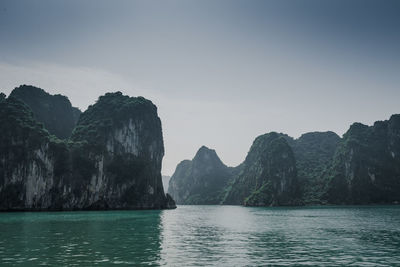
[220,72]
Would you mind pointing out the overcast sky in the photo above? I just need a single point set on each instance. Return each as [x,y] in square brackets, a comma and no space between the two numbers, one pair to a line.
[220,72]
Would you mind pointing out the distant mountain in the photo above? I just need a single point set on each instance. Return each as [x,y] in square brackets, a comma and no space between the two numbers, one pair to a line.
[165,182]
[366,166]
[201,180]
[269,176]
[363,167]
[54,111]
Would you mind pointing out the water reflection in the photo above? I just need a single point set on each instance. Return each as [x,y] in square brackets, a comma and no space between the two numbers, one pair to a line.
[237,236]
[204,235]
[81,238]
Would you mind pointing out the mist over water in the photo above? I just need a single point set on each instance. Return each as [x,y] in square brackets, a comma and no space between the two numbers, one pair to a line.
[205,235]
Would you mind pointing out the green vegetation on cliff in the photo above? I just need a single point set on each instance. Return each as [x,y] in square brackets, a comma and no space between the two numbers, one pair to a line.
[201,180]
[113,158]
[366,167]
[21,135]
[112,161]
[112,111]
[269,176]
[18,126]
[363,167]
[54,111]
[314,153]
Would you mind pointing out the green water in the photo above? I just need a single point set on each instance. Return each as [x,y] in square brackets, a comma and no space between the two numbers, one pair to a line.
[204,235]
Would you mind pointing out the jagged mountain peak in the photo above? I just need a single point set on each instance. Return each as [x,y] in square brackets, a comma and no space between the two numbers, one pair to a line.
[207,156]
[201,180]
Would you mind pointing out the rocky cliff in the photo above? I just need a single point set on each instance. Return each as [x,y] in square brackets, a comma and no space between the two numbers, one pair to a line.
[363,167]
[201,180]
[314,153]
[54,111]
[269,176]
[112,161]
[366,166]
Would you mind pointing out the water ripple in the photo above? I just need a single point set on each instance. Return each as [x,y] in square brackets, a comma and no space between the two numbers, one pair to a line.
[204,236]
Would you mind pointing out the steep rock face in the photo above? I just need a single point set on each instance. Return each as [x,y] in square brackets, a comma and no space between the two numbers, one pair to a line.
[26,166]
[125,149]
[54,111]
[314,152]
[2,97]
[268,177]
[366,167]
[76,113]
[201,180]
[113,160]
